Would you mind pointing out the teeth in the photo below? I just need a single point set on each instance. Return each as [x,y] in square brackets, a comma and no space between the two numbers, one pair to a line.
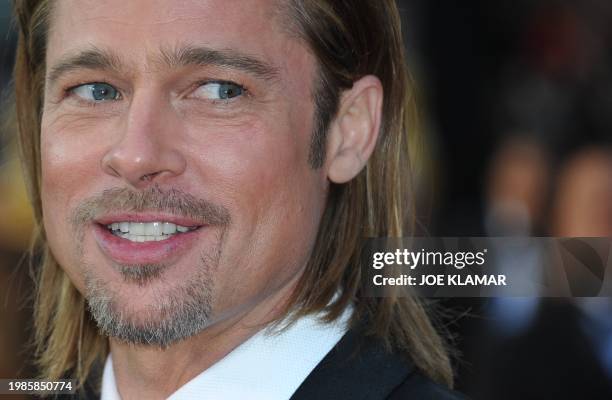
[169,228]
[144,238]
[137,228]
[153,229]
[146,231]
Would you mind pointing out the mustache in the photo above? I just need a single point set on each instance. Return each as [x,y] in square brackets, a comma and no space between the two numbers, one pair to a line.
[172,201]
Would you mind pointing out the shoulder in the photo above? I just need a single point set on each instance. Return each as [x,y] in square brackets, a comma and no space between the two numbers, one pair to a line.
[359,367]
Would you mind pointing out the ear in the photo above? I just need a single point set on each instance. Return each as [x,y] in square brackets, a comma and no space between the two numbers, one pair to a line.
[354,133]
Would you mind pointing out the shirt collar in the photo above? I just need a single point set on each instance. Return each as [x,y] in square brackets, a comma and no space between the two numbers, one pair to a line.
[270,365]
[109,387]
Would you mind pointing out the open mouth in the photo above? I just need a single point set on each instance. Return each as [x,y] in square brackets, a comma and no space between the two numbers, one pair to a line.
[148,231]
[148,238]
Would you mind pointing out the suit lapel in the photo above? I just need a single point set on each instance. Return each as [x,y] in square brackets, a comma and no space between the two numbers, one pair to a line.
[358,367]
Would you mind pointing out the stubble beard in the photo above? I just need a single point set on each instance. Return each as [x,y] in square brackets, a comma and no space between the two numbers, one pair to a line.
[174,314]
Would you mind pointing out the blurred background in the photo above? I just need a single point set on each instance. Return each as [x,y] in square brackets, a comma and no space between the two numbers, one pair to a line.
[516,121]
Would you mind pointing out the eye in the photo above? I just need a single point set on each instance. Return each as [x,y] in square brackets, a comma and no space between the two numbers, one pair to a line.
[96,92]
[219,90]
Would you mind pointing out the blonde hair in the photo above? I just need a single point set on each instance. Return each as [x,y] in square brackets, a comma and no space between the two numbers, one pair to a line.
[350,39]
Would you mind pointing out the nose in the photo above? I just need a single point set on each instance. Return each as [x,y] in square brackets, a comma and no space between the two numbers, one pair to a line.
[146,152]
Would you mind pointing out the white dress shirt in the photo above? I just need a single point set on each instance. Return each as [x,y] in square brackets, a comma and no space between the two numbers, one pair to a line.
[270,365]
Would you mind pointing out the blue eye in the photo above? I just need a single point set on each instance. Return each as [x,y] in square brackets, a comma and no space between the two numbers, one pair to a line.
[219,90]
[96,92]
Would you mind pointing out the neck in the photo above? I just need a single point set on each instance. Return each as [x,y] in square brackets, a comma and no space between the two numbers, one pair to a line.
[151,372]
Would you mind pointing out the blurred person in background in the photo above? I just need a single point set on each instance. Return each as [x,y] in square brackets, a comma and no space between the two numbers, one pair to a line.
[583,200]
[514,90]
[577,333]
[517,188]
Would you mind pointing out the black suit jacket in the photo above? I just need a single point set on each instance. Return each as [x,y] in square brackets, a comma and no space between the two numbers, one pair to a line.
[357,368]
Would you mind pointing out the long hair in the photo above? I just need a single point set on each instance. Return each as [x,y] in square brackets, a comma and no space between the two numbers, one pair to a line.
[349,39]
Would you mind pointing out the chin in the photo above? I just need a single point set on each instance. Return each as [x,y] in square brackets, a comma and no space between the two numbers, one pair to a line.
[158,314]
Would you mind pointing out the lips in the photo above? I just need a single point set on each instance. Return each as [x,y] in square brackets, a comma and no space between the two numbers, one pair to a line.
[136,239]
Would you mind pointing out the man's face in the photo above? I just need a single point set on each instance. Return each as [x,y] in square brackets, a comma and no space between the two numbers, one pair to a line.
[176,187]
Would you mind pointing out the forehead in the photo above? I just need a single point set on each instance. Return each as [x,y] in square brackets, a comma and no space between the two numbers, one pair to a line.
[138,29]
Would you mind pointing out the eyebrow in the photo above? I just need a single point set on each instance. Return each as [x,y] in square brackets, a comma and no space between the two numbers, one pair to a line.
[225,58]
[94,59]
[98,59]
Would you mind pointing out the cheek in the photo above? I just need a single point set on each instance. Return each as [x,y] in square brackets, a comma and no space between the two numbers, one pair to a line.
[252,169]
[262,166]
[68,169]
[61,151]
[71,151]
[275,199]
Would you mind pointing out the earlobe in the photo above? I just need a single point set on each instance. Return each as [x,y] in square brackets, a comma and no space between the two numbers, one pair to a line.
[354,134]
